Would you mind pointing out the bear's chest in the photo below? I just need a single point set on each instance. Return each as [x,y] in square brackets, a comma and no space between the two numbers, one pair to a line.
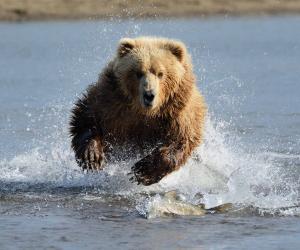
[135,130]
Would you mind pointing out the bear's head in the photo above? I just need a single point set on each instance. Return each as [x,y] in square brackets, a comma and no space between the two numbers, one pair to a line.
[150,70]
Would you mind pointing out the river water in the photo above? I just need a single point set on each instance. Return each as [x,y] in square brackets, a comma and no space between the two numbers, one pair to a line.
[247,69]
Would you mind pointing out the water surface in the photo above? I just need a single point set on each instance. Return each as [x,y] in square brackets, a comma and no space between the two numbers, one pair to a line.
[248,71]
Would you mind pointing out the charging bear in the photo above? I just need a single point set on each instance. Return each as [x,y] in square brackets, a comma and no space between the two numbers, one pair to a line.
[145,98]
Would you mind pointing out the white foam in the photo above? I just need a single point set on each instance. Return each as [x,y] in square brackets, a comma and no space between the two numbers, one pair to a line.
[218,169]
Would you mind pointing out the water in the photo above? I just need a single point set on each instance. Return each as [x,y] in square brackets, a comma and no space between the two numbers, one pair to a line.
[248,71]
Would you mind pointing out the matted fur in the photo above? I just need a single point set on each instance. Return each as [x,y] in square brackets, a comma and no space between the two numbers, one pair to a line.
[110,114]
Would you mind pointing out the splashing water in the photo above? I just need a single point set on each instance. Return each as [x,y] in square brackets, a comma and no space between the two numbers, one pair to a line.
[221,172]
[232,164]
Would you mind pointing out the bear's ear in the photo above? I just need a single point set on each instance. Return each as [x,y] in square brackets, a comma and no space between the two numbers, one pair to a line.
[125,46]
[177,48]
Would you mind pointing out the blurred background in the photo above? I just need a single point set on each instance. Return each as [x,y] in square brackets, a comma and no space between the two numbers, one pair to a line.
[76,9]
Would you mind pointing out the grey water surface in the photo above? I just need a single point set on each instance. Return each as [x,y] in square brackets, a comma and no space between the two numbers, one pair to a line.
[248,69]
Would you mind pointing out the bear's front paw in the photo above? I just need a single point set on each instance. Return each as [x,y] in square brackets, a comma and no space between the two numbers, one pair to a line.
[93,157]
[151,169]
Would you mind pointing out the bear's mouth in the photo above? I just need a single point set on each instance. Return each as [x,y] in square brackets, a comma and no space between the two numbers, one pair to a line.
[148,99]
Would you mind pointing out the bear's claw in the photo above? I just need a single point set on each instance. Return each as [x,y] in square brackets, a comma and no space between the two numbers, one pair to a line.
[93,157]
[149,170]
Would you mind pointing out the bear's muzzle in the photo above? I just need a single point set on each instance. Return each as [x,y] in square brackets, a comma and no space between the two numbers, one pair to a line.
[148,98]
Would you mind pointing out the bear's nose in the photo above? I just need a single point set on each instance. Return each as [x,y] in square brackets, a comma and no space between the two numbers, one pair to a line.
[148,98]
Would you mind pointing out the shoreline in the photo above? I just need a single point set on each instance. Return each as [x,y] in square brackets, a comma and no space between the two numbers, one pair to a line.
[45,10]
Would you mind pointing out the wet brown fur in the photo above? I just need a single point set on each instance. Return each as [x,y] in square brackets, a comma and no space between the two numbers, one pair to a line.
[110,115]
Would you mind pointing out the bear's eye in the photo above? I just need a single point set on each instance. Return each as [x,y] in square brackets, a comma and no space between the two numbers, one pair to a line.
[139,74]
[160,74]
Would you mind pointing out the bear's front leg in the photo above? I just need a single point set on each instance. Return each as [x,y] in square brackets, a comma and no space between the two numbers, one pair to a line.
[93,156]
[162,161]
[89,152]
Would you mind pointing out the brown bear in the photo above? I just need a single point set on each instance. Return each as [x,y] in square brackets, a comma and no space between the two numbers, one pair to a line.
[145,98]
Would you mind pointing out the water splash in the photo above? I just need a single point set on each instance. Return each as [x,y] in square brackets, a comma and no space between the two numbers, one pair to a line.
[218,169]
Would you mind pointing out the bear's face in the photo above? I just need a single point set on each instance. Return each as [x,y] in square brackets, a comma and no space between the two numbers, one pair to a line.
[149,70]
